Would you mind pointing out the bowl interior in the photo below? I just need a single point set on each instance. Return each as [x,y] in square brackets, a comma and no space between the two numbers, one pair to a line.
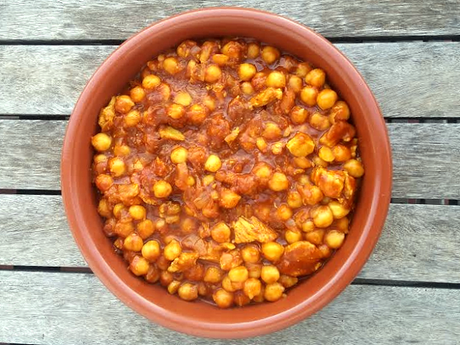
[202,318]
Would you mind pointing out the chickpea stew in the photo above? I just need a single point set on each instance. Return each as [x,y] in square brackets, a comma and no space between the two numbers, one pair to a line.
[227,170]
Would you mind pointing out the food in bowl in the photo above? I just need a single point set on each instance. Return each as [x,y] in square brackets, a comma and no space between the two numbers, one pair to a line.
[227,170]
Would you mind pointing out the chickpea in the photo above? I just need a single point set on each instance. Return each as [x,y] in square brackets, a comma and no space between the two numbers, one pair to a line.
[292,235]
[123,104]
[308,95]
[278,182]
[252,287]
[118,210]
[287,281]
[166,278]
[342,224]
[213,275]
[228,198]
[262,170]
[294,200]
[271,131]
[319,122]
[302,162]
[277,148]
[151,81]
[173,287]
[315,236]
[276,79]
[153,274]
[213,163]
[247,88]
[272,251]
[121,150]
[322,216]
[190,181]
[220,59]
[319,162]
[222,298]
[139,266]
[103,208]
[175,111]
[208,179]
[188,292]
[301,145]
[302,69]
[250,254]
[334,239]
[151,251]
[101,142]
[117,166]
[341,153]
[338,210]
[284,212]
[137,94]
[254,270]
[99,159]
[354,168]
[162,189]
[273,292]
[221,232]
[340,111]
[132,118]
[145,229]
[308,226]
[212,74]
[246,71]
[179,155]
[270,274]
[104,182]
[253,50]
[209,102]
[124,228]
[230,286]
[295,83]
[261,144]
[270,54]
[326,99]
[172,250]
[183,98]
[238,274]
[325,153]
[137,212]
[171,65]
[316,77]
[197,114]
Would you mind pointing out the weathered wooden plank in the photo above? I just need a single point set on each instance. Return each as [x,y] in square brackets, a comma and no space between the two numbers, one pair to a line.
[416,237]
[425,156]
[408,79]
[79,310]
[76,20]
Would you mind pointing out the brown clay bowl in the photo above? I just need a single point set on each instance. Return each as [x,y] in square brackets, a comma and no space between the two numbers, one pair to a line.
[199,318]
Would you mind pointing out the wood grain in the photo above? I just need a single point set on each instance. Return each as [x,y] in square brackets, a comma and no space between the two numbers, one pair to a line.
[416,237]
[78,309]
[424,157]
[409,79]
[102,20]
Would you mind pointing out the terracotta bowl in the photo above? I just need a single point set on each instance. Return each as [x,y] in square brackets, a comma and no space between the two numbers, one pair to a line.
[153,301]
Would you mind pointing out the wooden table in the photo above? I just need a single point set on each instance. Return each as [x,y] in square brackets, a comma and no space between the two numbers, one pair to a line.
[409,53]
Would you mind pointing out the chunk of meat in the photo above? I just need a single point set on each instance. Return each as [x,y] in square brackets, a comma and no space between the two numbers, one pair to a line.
[183,262]
[106,116]
[299,258]
[230,260]
[266,96]
[341,130]
[252,229]
[331,182]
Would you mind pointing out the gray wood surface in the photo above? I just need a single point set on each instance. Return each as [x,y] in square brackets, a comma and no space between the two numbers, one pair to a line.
[409,79]
[82,311]
[418,242]
[425,156]
[107,19]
